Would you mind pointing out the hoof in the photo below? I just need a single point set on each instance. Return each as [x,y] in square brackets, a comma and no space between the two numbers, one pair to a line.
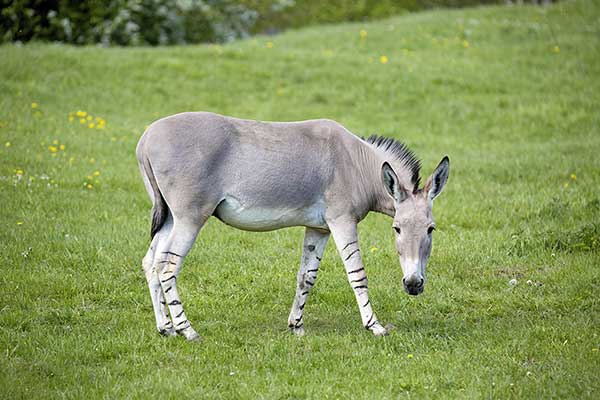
[297,331]
[190,334]
[166,331]
[378,330]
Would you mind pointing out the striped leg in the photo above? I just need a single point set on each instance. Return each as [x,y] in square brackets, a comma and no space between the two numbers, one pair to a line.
[163,322]
[345,236]
[168,261]
[312,252]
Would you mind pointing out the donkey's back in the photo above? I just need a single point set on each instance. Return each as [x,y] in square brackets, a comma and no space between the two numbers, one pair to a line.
[250,174]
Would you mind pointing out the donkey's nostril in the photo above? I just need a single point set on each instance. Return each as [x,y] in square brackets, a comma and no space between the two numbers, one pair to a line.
[421,282]
[404,281]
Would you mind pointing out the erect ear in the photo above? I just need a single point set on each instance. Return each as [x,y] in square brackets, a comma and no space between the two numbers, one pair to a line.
[435,183]
[390,181]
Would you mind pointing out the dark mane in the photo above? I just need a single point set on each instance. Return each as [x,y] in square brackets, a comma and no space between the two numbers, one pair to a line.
[400,153]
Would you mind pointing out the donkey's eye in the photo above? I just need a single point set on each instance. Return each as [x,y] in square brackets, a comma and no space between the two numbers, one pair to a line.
[430,229]
[397,229]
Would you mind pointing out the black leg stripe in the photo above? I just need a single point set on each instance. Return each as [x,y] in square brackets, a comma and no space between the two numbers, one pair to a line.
[369,325]
[169,288]
[309,283]
[175,303]
[168,279]
[182,322]
[170,252]
[358,280]
[360,287]
[313,270]
[351,254]
[179,315]
[356,270]
[302,306]
[356,241]
[367,303]
[305,292]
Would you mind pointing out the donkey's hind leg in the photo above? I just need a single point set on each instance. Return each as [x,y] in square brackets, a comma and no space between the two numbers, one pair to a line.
[163,321]
[168,261]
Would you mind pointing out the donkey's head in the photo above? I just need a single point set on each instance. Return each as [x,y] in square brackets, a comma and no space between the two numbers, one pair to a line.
[413,222]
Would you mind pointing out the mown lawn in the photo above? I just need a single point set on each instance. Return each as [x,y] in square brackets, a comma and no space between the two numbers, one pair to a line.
[511,94]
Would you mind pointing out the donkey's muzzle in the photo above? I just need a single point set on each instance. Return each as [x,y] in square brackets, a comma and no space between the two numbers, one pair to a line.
[413,284]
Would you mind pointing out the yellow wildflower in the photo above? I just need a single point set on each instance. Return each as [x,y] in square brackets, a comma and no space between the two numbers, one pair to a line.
[574,177]
[89,186]
[269,45]
[409,356]
[89,118]
[19,222]
[556,49]
[53,149]
[90,177]
[96,173]
[71,118]
[34,105]
[363,33]
[465,44]
[91,125]
[81,114]
[7,144]
[374,249]
[82,120]
[19,172]
[62,147]
[55,141]
[383,59]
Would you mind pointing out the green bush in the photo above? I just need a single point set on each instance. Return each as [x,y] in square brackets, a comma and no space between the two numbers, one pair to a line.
[126,22]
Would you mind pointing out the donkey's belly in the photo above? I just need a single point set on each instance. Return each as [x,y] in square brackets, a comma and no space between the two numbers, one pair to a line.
[255,218]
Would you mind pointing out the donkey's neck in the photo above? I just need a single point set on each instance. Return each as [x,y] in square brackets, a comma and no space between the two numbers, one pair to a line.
[373,157]
[374,194]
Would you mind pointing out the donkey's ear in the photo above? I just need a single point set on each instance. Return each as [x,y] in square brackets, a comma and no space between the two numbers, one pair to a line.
[435,183]
[390,181]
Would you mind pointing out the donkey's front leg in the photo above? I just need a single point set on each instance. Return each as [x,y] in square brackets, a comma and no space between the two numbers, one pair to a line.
[345,236]
[312,252]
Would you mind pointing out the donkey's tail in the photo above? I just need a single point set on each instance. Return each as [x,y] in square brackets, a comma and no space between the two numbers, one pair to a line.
[160,210]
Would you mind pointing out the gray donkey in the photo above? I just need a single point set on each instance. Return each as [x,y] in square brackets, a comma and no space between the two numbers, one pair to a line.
[261,176]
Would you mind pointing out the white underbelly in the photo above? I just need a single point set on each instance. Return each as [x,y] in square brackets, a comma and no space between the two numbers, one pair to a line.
[234,213]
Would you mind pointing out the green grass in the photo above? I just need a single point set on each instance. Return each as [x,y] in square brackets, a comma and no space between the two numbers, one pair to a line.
[511,94]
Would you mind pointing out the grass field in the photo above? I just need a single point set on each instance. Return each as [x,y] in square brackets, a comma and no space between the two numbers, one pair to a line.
[511,94]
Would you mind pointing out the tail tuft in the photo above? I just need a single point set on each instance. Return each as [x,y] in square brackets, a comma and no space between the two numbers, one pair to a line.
[160,210]
[159,214]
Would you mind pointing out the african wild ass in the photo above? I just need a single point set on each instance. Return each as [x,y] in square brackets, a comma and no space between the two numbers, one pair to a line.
[261,176]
